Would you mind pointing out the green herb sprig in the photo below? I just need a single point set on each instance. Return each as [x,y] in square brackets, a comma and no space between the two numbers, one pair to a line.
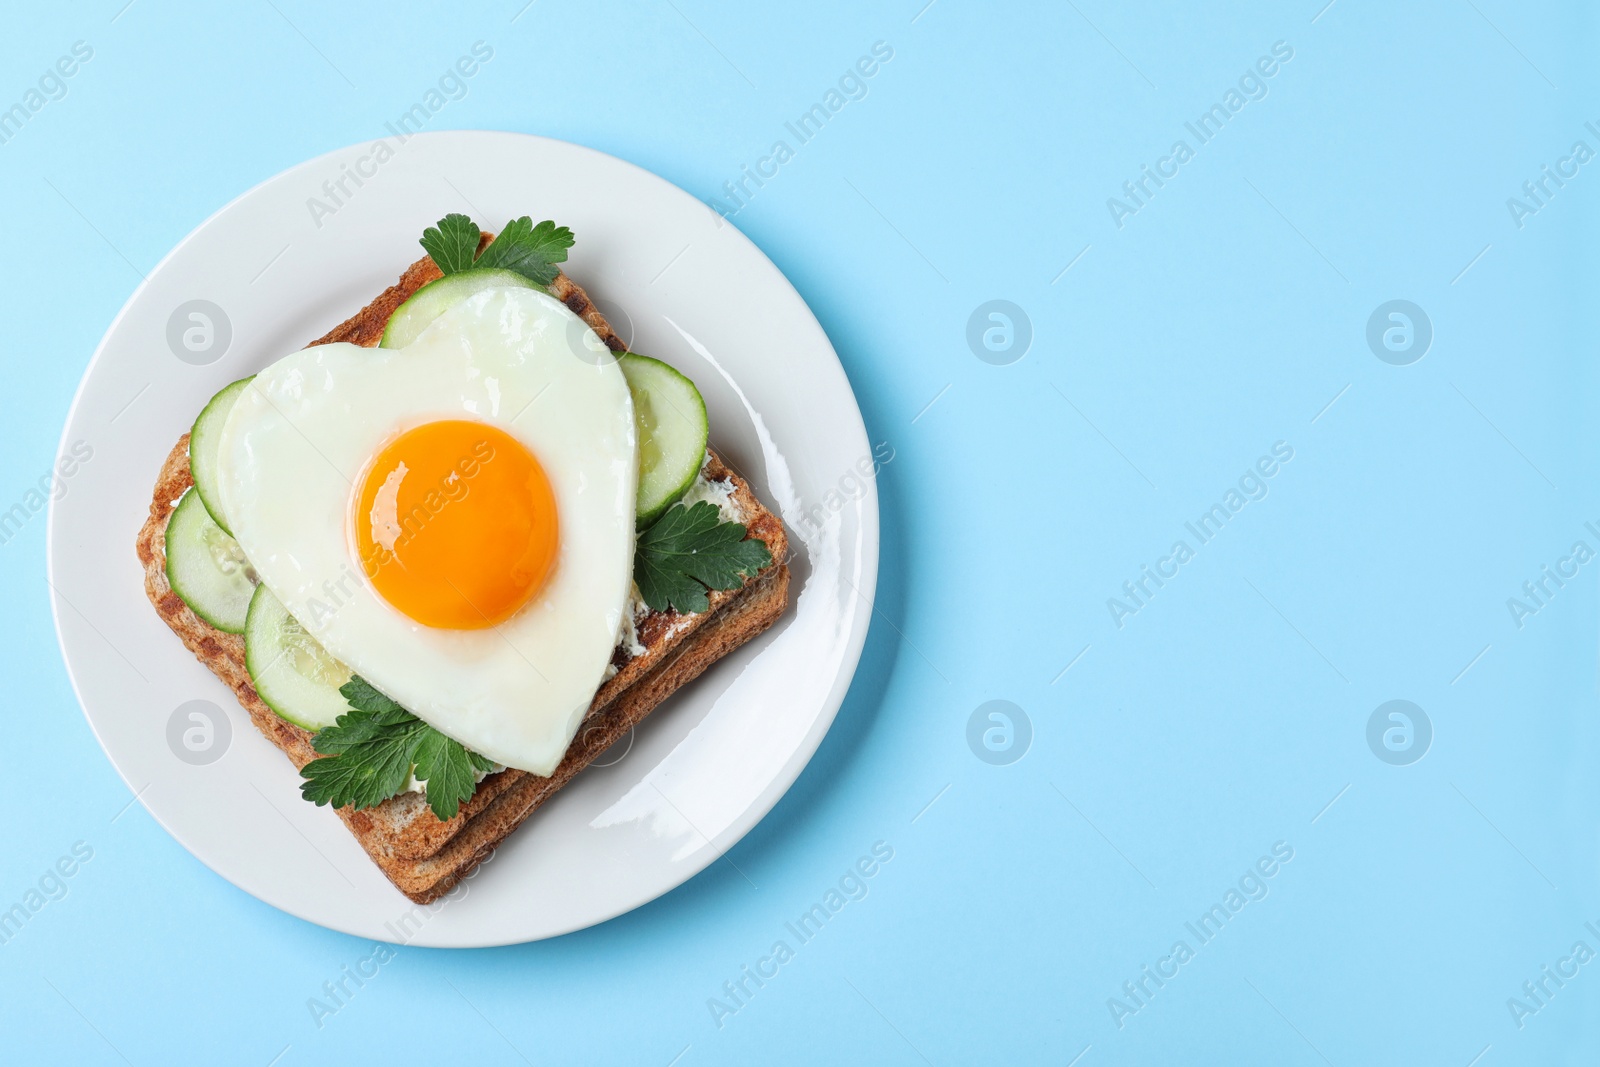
[369,752]
[532,251]
[689,551]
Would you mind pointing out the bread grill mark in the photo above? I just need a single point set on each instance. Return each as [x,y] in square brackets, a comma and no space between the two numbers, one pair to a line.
[423,856]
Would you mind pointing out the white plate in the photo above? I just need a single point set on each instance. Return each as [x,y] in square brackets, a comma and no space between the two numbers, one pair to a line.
[704,768]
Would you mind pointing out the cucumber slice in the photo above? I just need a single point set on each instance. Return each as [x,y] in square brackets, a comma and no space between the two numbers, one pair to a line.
[671,417]
[429,302]
[207,568]
[293,674]
[203,440]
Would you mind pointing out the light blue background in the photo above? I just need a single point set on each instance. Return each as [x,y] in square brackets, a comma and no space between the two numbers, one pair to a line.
[1222,718]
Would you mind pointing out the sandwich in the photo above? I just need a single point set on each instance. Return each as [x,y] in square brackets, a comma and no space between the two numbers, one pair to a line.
[458,546]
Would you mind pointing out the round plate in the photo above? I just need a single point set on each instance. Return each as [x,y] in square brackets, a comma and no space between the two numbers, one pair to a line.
[297,255]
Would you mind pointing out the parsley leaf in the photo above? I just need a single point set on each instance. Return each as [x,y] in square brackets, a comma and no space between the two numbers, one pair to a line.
[690,549]
[367,763]
[443,763]
[363,696]
[532,251]
[370,751]
[453,243]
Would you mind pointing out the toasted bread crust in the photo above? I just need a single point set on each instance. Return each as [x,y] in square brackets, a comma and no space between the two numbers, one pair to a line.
[422,855]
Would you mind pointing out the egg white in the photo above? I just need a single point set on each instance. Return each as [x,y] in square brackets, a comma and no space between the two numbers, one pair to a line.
[298,442]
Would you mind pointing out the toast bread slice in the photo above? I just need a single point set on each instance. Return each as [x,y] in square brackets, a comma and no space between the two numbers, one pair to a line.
[422,855]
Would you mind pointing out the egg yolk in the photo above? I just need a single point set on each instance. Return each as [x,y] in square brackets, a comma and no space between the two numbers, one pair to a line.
[455,524]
